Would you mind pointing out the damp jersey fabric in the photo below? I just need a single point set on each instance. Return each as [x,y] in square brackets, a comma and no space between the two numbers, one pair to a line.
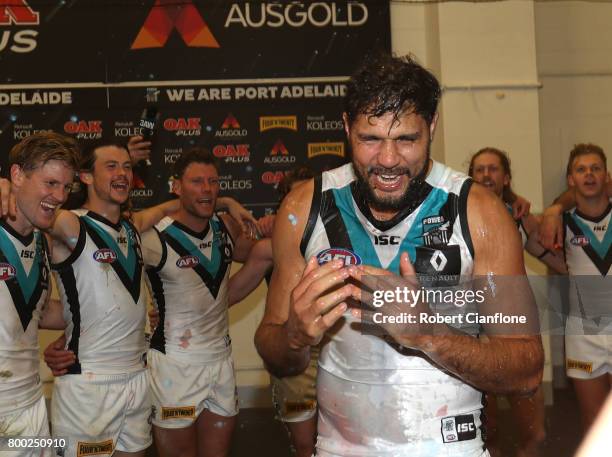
[24,287]
[588,254]
[188,273]
[375,398]
[102,289]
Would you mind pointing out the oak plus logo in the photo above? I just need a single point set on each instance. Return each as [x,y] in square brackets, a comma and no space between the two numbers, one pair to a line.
[167,15]
[84,130]
[230,128]
[232,153]
[16,19]
[279,155]
[190,126]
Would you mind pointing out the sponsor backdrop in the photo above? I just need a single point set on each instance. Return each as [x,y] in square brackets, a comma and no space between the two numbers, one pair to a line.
[259,83]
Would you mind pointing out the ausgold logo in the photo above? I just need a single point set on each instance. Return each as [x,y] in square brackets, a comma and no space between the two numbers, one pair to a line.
[277,122]
[167,15]
[317,149]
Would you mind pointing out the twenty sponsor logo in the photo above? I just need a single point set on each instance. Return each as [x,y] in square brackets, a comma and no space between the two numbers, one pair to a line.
[317,149]
[277,122]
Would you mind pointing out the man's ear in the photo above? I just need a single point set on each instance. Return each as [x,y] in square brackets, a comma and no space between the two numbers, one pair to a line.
[345,120]
[17,175]
[176,186]
[86,177]
[432,127]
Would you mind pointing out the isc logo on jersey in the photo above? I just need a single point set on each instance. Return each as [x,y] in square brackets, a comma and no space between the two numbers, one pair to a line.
[349,257]
[187,261]
[7,271]
[579,240]
[105,255]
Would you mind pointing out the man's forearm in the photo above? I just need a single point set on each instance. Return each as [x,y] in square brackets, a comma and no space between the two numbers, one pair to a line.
[566,201]
[273,346]
[496,365]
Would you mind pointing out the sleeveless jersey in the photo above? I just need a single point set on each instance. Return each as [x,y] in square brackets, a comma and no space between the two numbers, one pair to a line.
[102,289]
[519,226]
[588,254]
[374,398]
[24,287]
[189,287]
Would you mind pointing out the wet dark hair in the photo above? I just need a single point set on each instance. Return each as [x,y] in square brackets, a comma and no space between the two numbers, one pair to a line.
[584,149]
[194,155]
[508,195]
[88,160]
[300,173]
[387,84]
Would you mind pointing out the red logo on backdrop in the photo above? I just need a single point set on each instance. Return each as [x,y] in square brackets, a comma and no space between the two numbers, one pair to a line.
[230,122]
[272,177]
[167,15]
[231,150]
[279,148]
[17,12]
[83,127]
[191,123]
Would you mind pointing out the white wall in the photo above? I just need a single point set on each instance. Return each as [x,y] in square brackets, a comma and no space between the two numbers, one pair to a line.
[574,44]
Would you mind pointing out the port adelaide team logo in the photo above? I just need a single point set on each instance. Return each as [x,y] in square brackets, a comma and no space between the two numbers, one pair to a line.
[347,256]
[438,263]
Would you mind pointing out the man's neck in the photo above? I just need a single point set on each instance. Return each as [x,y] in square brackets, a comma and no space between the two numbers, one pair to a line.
[592,206]
[109,210]
[195,223]
[20,224]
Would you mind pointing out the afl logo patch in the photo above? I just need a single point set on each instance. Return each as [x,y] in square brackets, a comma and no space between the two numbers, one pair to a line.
[188,261]
[105,255]
[7,271]
[580,240]
[348,257]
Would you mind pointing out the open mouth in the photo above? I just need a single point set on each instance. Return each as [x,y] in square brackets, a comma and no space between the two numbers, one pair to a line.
[387,182]
[121,186]
[48,208]
[206,201]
